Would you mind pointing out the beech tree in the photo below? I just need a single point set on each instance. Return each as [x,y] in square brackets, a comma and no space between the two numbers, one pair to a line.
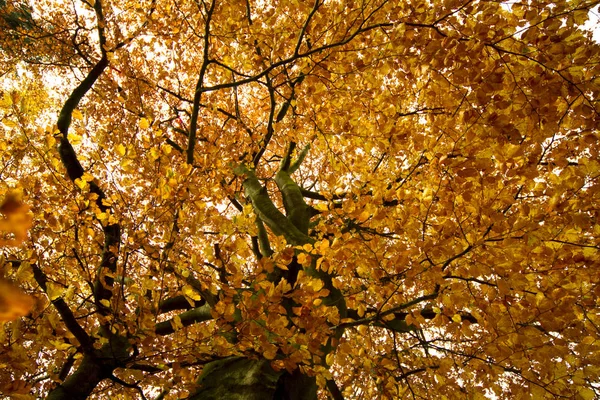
[287,199]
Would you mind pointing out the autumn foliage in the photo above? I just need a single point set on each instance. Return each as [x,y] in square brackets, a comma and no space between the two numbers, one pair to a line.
[378,199]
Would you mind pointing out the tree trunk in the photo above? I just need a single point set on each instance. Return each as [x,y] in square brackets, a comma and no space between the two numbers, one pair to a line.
[238,378]
[80,384]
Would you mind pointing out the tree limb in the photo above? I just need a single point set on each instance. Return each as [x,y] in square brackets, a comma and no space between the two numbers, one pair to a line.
[199,87]
[187,318]
[64,311]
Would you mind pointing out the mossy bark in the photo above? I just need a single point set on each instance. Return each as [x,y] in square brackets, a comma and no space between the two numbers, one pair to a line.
[238,378]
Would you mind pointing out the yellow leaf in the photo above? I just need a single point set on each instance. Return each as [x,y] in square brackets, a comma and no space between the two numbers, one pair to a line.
[17,218]
[456,318]
[589,251]
[25,272]
[321,207]
[361,310]
[126,162]
[329,359]
[580,17]
[316,284]
[587,394]
[144,124]
[120,149]
[74,138]
[270,352]
[389,364]
[70,293]
[77,114]
[13,302]
[53,291]
[105,303]
[9,123]
[6,100]
[282,266]
[188,291]
[154,154]
[364,216]
[176,323]
[539,297]
[21,396]
[81,183]
[60,345]
[322,246]
[302,258]
[325,266]
[572,235]
[229,309]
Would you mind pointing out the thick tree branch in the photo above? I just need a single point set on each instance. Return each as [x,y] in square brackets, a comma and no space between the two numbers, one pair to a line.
[178,303]
[95,366]
[334,390]
[318,196]
[187,318]
[263,239]
[266,210]
[112,235]
[64,118]
[195,284]
[82,382]
[295,207]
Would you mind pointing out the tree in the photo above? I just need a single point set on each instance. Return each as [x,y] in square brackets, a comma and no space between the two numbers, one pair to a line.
[294,200]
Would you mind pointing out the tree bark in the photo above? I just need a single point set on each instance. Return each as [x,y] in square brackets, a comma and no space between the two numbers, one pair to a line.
[238,378]
[82,382]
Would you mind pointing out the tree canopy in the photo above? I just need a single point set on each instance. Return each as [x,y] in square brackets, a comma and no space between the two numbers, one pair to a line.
[299,199]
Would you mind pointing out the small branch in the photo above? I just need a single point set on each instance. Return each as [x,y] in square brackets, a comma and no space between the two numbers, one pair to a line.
[392,310]
[462,253]
[413,372]
[174,145]
[199,86]
[128,385]
[590,246]
[66,368]
[236,203]
[270,128]
[65,312]
[305,26]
